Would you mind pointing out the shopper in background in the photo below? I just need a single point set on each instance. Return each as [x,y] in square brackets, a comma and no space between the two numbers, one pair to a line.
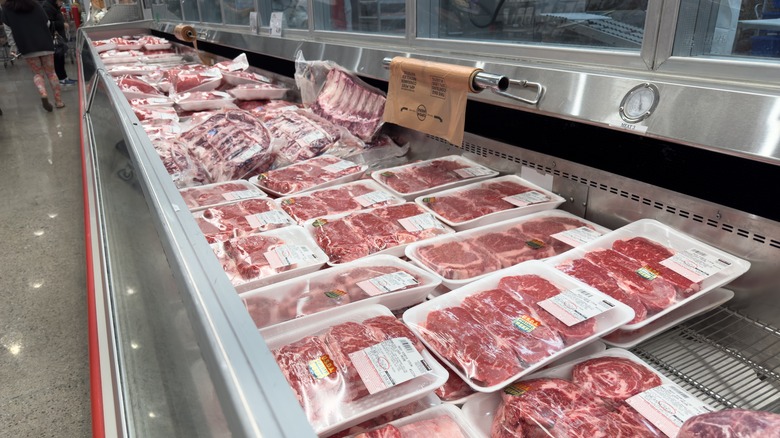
[58,25]
[32,39]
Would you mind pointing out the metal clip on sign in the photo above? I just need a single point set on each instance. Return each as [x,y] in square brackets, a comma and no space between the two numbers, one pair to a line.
[498,84]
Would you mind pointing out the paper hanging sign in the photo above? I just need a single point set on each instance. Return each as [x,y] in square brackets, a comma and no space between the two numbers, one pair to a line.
[429,97]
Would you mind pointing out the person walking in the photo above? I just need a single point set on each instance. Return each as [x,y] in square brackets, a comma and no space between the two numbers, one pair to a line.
[32,39]
[57,24]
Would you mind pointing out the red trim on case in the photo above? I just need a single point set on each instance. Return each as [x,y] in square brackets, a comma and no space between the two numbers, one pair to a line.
[95,383]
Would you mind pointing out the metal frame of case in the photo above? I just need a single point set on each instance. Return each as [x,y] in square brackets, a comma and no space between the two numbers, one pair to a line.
[209,371]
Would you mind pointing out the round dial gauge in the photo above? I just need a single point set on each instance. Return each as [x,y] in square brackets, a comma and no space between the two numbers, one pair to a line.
[639,103]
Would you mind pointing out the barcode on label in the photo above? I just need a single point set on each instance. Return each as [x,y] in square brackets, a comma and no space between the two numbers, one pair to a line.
[407,345]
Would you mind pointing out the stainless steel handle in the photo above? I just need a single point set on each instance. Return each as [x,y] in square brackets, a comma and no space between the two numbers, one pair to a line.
[524,84]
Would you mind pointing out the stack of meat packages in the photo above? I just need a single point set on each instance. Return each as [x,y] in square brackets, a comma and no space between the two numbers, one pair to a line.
[223,122]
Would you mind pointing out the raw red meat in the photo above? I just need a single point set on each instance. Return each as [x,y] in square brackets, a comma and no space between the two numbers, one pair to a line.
[732,423]
[196,197]
[347,103]
[614,378]
[441,426]
[455,388]
[248,254]
[541,403]
[195,79]
[306,174]
[343,340]
[463,340]
[512,247]
[388,327]
[395,414]
[655,293]
[653,253]
[501,313]
[306,135]
[265,311]
[224,222]
[388,431]
[543,229]
[458,260]
[532,289]
[184,171]
[594,276]
[370,231]
[417,177]
[468,204]
[135,87]
[230,144]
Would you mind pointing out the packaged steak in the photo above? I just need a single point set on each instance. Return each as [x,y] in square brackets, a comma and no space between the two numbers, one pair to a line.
[379,230]
[184,171]
[438,421]
[119,56]
[341,198]
[132,69]
[240,218]
[152,102]
[255,260]
[203,100]
[469,255]
[425,177]
[193,79]
[650,266]
[154,43]
[513,322]
[157,115]
[611,394]
[488,201]
[134,87]
[382,279]
[104,45]
[313,173]
[212,195]
[332,364]
[732,423]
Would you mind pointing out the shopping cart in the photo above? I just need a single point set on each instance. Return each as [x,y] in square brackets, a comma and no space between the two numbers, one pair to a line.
[5,48]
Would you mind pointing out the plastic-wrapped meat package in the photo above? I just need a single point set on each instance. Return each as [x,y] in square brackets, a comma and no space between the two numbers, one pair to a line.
[120,56]
[204,100]
[210,195]
[248,255]
[395,414]
[133,69]
[257,91]
[162,130]
[128,44]
[308,174]
[365,232]
[194,78]
[239,63]
[340,289]
[349,102]
[732,423]
[416,178]
[244,77]
[104,45]
[568,407]
[159,115]
[243,217]
[324,394]
[270,108]
[154,43]
[184,171]
[134,87]
[443,426]
[160,79]
[231,144]
[344,198]
[651,254]
[152,102]
[455,389]
[307,135]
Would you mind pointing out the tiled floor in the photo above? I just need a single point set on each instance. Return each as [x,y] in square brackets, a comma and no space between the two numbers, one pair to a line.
[44,371]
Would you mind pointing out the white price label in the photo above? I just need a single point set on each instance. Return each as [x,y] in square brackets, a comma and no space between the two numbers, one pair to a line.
[388,283]
[339,166]
[287,255]
[261,220]
[667,407]
[312,137]
[473,172]
[276,23]
[241,194]
[372,198]
[389,363]
[248,153]
[421,222]
[696,265]
[573,306]
[527,198]
[577,236]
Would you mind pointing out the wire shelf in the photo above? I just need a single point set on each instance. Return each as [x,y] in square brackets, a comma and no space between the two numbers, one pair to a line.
[722,357]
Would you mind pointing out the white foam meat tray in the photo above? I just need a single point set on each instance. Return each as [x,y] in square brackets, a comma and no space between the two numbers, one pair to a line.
[372,405]
[606,322]
[329,183]
[513,212]
[672,239]
[377,176]
[392,300]
[412,250]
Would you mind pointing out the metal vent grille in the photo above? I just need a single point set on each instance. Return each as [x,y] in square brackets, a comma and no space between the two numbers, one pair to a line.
[671,209]
[722,357]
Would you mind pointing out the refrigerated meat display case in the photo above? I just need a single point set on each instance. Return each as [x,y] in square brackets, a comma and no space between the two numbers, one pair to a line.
[173,351]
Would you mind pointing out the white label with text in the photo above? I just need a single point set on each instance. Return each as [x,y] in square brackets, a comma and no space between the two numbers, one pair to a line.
[389,363]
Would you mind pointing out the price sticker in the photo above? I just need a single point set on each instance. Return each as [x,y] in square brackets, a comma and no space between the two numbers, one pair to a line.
[527,198]
[473,172]
[667,407]
[573,306]
[388,283]
[388,364]
[696,265]
[273,217]
[577,236]
[372,198]
[421,222]
[288,255]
